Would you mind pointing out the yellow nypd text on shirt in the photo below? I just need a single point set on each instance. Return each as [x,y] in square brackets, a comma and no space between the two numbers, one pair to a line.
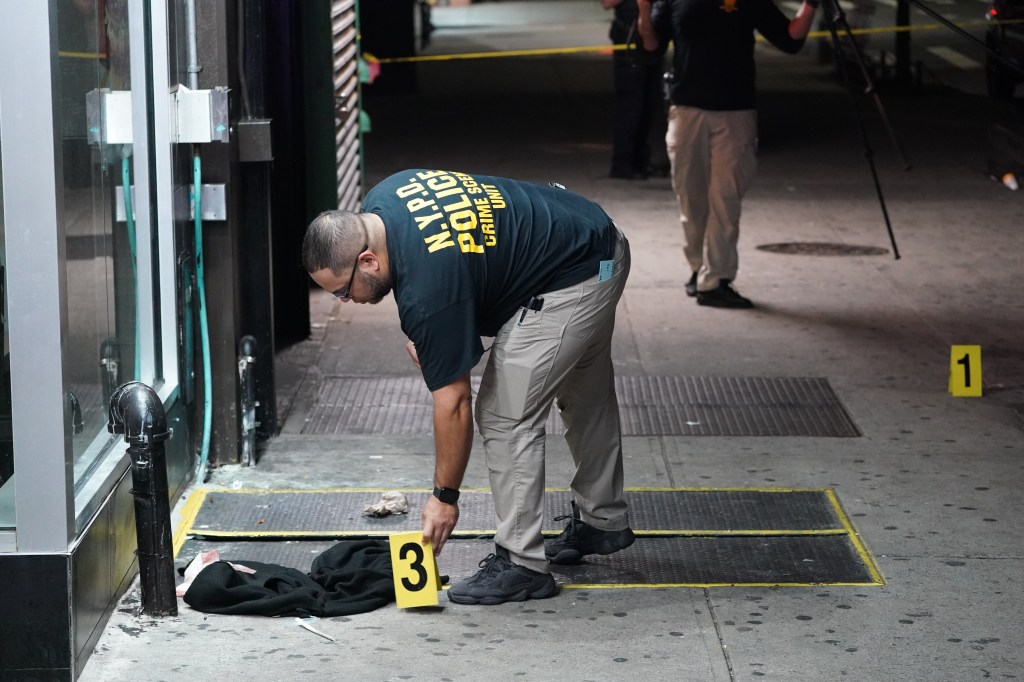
[452,208]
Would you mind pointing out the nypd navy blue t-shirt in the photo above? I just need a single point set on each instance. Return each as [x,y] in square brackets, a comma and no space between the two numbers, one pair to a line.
[466,251]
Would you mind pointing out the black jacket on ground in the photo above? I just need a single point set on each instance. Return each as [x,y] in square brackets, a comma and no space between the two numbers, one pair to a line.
[350,577]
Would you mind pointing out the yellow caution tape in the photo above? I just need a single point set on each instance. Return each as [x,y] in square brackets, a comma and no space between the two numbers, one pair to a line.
[542,52]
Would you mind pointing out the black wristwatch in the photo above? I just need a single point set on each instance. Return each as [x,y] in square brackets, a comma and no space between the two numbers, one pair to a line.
[447,495]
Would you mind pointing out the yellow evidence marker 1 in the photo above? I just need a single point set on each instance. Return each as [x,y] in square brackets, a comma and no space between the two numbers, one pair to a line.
[415,572]
[965,371]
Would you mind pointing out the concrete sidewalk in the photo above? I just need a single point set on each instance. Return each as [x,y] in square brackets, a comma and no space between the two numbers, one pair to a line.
[932,485]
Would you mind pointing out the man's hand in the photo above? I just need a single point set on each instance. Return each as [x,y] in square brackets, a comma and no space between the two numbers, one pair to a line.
[439,521]
[411,347]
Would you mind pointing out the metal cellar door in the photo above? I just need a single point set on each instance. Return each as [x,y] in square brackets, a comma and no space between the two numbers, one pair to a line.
[346,102]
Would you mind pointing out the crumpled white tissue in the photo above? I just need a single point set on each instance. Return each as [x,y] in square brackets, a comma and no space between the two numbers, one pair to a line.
[391,502]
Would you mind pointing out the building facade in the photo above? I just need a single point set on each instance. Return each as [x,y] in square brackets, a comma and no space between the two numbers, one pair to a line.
[159,159]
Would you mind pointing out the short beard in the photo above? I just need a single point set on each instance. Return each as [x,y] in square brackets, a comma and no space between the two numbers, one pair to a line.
[379,287]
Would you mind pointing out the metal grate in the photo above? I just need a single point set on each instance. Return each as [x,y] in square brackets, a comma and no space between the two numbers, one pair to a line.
[704,537]
[648,406]
[280,514]
[649,562]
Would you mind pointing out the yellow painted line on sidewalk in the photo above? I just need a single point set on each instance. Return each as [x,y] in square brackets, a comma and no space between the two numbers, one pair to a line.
[317,533]
[638,489]
[751,532]
[188,517]
[713,489]
[198,497]
[633,586]
[294,491]
[861,548]
[464,534]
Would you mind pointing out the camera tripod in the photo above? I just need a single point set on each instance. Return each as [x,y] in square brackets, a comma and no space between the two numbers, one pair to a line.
[835,18]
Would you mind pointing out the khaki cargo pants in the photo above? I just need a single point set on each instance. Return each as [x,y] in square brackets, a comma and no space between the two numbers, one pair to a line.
[562,353]
[714,159]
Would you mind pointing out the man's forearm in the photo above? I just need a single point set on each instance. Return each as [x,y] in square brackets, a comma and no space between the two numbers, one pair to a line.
[800,25]
[453,439]
[645,26]
[453,432]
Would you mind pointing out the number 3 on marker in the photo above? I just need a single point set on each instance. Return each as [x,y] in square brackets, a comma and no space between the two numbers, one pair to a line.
[413,565]
[416,565]
[965,371]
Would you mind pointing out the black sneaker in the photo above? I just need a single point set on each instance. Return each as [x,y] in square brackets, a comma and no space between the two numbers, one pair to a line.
[724,296]
[580,539]
[499,580]
[691,286]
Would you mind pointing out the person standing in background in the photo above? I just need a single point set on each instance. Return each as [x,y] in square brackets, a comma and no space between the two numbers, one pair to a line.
[712,126]
[637,75]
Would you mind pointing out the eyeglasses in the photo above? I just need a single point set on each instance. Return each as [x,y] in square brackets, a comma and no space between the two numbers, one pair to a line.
[346,293]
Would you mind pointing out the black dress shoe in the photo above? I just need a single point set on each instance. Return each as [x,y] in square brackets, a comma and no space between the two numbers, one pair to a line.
[691,286]
[723,296]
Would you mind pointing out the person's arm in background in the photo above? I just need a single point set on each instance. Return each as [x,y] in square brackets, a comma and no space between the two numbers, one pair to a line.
[800,25]
[645,26]
[788,35]
[610,4]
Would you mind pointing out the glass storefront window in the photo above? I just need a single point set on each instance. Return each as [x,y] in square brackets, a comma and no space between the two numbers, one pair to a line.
[100,245]
[6,446]
[114,258]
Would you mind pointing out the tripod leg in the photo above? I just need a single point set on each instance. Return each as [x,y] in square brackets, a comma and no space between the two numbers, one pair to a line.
[839,19]
[832,13]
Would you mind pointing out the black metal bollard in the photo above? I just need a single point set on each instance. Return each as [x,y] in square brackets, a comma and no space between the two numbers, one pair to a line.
[136,412]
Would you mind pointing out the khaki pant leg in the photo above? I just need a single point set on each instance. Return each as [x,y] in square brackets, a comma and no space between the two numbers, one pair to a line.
[733,165]
[588,406]
[689,153]
[510,412]
[529,362]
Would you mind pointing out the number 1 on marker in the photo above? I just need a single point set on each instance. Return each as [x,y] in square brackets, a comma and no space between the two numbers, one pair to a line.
[965,371]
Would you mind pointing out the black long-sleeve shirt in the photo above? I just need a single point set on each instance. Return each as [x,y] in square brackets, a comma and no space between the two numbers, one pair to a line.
[713,46]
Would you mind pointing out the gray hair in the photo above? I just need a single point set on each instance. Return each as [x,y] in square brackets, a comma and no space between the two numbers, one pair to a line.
[333,241]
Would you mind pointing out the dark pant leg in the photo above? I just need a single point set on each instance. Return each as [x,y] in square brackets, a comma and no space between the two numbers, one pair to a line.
[629,149]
